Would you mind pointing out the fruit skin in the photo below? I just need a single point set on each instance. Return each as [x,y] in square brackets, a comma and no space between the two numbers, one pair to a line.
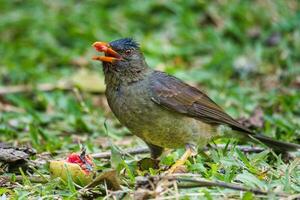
[63,168]
[78,166]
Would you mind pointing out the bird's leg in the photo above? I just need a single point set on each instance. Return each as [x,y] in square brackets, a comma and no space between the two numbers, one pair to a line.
[155,151]
[153,162]
[189,151]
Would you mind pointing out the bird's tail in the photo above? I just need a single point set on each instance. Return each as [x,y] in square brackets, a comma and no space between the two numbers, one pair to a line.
[270,142]
[275,144]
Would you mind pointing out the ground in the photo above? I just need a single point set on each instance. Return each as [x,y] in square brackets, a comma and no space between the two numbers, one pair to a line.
[244,54]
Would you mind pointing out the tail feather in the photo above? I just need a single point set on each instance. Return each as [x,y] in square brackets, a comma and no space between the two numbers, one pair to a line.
[275,144]
[270,142]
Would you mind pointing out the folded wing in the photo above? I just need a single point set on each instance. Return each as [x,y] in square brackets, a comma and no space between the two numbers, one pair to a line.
[173,94]
[177,96]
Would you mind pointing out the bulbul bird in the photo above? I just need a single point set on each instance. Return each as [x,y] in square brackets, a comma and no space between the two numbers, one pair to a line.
[161,109]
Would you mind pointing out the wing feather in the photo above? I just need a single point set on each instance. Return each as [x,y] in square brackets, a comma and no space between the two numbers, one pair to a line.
[173,94]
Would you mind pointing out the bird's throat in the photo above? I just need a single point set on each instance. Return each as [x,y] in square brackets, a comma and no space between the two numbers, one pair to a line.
[114,77]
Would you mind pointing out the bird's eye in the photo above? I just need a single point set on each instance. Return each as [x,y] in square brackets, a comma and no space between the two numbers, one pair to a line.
[128,51]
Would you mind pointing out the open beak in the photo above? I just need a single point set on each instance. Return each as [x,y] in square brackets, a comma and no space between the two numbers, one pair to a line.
[110,54]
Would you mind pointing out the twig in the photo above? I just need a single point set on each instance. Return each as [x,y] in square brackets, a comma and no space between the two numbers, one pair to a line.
[243,148]
[183,183]
[10,108]
[144,150]
[33,179]
[202,183]
[61,85]
[135,151]
[196,182]
[294,196]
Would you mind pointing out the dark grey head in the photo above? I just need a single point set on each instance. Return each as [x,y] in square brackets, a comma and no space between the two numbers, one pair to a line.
[124,44]
[122,53]
[122,57]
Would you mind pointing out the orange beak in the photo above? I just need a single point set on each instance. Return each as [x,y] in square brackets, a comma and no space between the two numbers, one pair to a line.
[110,54]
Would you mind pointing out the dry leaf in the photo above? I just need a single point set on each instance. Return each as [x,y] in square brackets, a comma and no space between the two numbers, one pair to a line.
[143,194]
[147,163]
[89,81]
[15,157]
[256,120]
[111,179]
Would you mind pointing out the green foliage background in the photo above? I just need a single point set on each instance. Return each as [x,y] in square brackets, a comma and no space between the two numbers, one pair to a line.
[245,54]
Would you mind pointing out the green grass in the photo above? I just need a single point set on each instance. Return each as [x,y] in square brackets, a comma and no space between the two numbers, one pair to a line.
[245,54]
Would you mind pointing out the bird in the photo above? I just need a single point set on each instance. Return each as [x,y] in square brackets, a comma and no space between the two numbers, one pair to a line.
[162,110]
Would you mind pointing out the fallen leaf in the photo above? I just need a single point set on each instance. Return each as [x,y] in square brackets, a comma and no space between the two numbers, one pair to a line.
[80,61]
[150,187]
[15,157]
[256,120]
[254,32]
[143,194]
[181,170]
[147,163]
[148,183]
[296,83]
[246,64]
[111,179]
[273,39]
[89,81]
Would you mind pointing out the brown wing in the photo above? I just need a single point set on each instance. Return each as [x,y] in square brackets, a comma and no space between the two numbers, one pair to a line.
[175,95]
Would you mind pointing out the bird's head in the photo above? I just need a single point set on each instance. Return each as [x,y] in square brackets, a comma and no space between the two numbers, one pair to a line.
[120,55]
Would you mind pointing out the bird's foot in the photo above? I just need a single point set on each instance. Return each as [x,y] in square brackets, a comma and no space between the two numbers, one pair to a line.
[179,164]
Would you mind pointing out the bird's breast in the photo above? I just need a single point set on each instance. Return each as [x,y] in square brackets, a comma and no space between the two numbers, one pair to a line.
[133,107]
[131,104]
